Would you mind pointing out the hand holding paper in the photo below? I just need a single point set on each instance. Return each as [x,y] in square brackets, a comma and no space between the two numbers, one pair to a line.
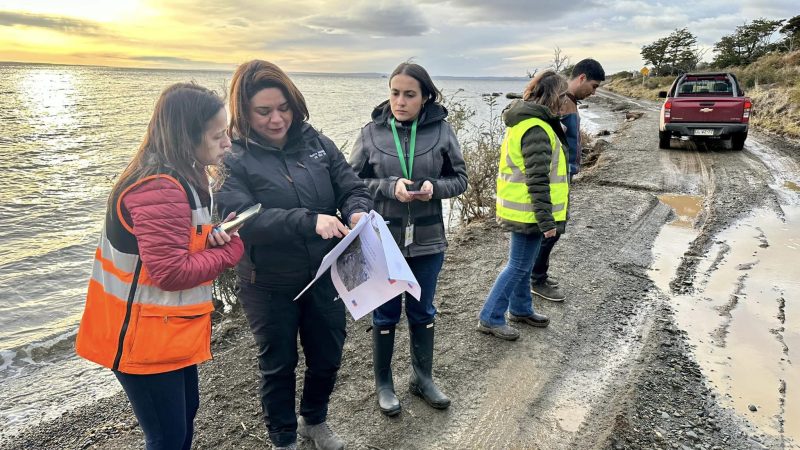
[367,267]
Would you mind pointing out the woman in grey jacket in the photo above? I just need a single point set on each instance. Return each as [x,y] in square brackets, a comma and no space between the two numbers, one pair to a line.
[410,159]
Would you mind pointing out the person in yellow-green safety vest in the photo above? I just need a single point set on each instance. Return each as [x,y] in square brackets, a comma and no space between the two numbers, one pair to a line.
[586,77]
[532,197]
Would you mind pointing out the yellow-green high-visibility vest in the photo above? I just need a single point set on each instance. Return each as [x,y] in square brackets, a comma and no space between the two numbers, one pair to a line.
[514,203]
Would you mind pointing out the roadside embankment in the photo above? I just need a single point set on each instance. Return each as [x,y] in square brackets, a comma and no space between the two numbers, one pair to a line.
[772,82]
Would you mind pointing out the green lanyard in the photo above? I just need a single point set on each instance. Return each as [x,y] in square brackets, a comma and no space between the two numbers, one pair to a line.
[406,170]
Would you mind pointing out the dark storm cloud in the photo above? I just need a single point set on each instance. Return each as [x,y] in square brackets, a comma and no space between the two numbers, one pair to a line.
[375,20]
[518,10]
[238,22]
[65,24]
[167,59]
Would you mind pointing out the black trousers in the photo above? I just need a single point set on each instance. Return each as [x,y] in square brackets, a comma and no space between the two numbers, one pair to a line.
[542,261]
[165,405]
[276,320]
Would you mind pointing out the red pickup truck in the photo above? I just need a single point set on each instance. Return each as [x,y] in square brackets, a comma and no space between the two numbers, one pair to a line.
[705,105]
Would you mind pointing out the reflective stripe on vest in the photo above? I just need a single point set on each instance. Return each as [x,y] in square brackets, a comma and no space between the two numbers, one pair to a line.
[129,323]
[514,202]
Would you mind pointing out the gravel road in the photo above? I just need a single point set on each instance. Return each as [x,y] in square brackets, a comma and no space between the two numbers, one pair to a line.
[613,369]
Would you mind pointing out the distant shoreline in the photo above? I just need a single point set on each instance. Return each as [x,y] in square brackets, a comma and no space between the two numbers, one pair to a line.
[327,74]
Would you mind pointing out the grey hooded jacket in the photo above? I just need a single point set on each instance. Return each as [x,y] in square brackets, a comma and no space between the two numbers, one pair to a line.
[437,158]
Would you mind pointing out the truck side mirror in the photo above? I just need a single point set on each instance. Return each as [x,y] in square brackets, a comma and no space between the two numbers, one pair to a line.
[662,94]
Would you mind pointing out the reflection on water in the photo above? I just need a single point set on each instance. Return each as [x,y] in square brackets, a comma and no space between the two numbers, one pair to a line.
[686,207]
[744,318]
[49,98]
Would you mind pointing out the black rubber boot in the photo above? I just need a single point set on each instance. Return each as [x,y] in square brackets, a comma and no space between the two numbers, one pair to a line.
[421,381]
[382,349]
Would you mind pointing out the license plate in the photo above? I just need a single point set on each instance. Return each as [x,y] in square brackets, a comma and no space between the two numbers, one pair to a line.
[703,132]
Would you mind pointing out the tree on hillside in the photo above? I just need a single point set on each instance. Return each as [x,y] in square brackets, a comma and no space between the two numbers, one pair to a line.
[791,29]
[560,60]
[674,54]
[749,42]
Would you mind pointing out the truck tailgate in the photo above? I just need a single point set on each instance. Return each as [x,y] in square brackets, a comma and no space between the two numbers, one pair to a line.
[707,109]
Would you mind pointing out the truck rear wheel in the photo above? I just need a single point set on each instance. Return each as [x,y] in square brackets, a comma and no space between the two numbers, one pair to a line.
[737,140]
[663,139]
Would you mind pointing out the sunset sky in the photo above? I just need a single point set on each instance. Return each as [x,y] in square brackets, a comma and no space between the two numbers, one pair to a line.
[454,37]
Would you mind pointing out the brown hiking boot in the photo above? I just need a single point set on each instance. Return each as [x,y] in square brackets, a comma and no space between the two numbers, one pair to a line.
[502,331]
[324,438]
[548,292]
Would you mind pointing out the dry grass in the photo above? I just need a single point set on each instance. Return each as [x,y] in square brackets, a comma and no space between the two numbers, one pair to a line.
[772,82]
[776,110]
[635,88]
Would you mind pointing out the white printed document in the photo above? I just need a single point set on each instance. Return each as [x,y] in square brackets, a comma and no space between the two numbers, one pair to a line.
[367,267]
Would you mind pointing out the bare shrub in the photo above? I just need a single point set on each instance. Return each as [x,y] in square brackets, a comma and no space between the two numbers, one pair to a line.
[591,149]
[223,291]
[480,144]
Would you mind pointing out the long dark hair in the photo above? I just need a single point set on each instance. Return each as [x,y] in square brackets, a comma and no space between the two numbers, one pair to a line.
[546,88]
[417,72]
[248,80]
[173,135]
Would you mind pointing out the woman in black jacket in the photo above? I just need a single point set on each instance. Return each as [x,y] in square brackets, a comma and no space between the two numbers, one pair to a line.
[410,159]
[301,180]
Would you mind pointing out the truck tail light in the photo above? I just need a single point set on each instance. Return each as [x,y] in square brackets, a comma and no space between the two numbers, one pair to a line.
[746,114]
[667,108]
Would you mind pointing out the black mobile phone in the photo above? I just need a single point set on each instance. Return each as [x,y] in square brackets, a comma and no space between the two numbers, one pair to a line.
[240,218]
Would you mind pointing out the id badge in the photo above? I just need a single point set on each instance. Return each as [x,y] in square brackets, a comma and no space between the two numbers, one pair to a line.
[409,234]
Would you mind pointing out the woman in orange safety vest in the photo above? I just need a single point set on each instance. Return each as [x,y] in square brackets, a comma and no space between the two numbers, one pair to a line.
[148,307]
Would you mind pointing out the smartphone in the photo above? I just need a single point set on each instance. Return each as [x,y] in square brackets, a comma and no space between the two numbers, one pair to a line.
[240,218]
[417,192]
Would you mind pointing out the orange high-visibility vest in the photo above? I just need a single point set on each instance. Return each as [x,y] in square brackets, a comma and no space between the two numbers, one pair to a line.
[131,325]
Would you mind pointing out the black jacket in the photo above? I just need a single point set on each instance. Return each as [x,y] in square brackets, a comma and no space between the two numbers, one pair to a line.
[437,158]
[309,176]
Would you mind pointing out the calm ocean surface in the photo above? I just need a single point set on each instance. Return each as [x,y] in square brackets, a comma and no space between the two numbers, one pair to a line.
[66,133]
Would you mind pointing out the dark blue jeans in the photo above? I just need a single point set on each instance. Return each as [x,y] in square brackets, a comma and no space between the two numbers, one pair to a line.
[276,319]
[419,312]
[511,290]
[542,261]
[165,405]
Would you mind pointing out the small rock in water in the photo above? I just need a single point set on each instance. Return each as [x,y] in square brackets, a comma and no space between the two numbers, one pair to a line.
[664,415]
[752,408]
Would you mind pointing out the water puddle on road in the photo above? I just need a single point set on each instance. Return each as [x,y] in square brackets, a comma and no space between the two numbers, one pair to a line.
[570,418]
[674,238]
[743,318]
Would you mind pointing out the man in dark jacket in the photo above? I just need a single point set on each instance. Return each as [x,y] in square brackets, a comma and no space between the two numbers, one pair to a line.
[586,77]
